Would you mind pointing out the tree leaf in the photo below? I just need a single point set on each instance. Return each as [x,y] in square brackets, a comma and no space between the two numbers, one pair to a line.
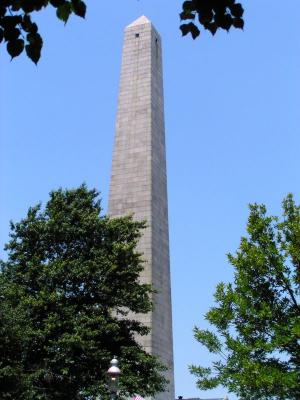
[79,8]
[205,18]
[238,23]
[195,32]
[185,29]
[10,21]
[56,3]
[186,15]
[63,11]
[225,22]
[16,5]
[34,47]
[212,27]
[33,28]
[27,6]
[237,10]
[39,4]
[15,47]
[11,33]
[189,28]
[208,339]
[187,6]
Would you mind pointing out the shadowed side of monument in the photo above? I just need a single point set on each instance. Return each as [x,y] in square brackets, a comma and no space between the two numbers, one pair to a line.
[138,181]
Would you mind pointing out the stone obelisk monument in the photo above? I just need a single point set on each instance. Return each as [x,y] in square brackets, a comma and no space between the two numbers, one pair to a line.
[138,181]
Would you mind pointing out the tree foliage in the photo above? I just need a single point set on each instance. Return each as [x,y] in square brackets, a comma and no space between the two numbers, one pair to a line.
[19,32]
[69,282]
[212,15]
[257,317]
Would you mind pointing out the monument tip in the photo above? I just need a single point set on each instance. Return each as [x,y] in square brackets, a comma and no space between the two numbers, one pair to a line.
[139,21]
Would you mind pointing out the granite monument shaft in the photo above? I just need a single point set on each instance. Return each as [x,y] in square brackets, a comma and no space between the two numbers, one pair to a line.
[138,180]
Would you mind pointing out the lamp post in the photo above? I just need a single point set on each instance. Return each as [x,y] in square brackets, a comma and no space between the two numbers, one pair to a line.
[113,373]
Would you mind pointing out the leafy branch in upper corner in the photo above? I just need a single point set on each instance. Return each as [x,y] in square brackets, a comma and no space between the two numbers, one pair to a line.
[212,15]
[19,31]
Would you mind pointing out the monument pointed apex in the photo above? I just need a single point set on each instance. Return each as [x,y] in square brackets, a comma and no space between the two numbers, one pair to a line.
[139,21]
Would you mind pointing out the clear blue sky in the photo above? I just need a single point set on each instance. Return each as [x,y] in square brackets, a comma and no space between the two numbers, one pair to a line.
[232,124]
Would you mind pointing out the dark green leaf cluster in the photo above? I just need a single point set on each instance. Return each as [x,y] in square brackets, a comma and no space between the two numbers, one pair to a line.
[257,318]
[212,15]
[18,30]
[69,292]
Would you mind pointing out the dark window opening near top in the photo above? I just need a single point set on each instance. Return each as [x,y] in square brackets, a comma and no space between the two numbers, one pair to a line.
[137,35]
[156,47]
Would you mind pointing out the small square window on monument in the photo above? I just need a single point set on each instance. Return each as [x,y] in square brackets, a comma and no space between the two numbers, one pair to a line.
[137,35]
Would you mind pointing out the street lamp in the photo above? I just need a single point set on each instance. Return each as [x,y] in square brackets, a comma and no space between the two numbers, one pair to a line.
[113,373]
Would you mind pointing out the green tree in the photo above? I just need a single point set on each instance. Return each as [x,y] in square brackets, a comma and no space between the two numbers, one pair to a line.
[19,32]
[70,280]
[256,318]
